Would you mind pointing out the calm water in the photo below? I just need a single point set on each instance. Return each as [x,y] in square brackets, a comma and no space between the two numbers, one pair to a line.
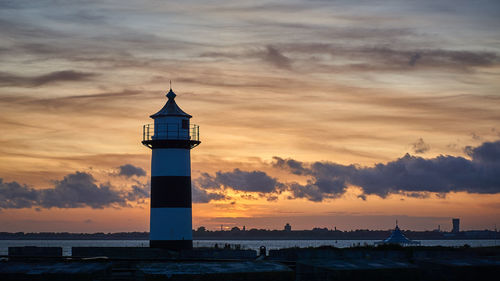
[245,244]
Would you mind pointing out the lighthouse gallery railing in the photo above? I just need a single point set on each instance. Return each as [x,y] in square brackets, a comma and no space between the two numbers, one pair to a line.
[170,131]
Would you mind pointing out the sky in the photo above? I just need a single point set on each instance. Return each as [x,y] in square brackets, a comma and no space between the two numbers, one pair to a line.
[346,114]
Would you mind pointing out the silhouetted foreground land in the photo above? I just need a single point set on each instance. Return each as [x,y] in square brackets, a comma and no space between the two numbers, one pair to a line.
[387,262]
[260,234]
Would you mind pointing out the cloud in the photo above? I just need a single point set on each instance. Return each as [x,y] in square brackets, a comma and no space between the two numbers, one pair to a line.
[308,191]
[380,57]
[409,175]
[328,180]
[17,28]
[339,58]
[13,80]
[475,136]
[252,181]
[76,190]
[276,58]
[79,190]
[200,195]
[208,187]
[488,152]
[420,146]
[139,192]
[102,104]
[414,59]
[14,195]
[129,170]
[296,167]
[271,55]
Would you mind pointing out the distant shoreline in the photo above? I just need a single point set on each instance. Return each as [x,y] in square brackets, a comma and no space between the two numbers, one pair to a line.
[229,239]
[261,234]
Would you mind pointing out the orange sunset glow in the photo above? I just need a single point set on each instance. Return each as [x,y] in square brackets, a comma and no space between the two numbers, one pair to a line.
[313,113]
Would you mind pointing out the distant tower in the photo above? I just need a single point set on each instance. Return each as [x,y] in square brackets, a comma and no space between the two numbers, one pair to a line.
[456,225]
[287,227]
[171,138]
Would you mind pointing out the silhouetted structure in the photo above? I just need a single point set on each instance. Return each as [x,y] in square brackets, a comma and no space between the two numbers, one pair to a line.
[397,237]
[261,234]
[171,138]
[456,225]
[287,227]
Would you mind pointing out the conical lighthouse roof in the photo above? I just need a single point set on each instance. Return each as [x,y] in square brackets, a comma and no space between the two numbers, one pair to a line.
[171,108]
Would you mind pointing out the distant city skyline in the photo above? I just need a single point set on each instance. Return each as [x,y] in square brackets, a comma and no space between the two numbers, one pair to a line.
[316,113]
[452,226]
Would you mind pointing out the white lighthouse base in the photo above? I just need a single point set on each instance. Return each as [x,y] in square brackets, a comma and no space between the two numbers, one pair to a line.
[171,224]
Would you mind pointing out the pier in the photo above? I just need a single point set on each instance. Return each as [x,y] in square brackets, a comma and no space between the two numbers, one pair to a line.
[387,262]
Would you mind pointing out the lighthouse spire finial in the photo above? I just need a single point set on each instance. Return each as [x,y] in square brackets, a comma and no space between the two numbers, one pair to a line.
[171,94]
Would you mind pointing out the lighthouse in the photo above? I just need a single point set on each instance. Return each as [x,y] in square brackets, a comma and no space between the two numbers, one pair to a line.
[171,139]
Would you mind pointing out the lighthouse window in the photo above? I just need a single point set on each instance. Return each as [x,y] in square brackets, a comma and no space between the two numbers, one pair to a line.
[185,124]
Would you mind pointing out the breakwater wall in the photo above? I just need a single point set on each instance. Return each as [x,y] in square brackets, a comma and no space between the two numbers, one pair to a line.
[323,263]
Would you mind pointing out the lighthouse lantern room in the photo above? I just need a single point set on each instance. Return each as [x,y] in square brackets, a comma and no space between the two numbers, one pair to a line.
[171,138]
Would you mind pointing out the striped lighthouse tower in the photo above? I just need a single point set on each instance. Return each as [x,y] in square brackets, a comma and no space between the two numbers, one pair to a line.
[171,138]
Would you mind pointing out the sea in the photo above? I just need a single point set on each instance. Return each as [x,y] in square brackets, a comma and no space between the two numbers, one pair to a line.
[243,244]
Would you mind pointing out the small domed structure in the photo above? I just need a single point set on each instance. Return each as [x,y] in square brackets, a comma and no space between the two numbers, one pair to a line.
[397,237]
